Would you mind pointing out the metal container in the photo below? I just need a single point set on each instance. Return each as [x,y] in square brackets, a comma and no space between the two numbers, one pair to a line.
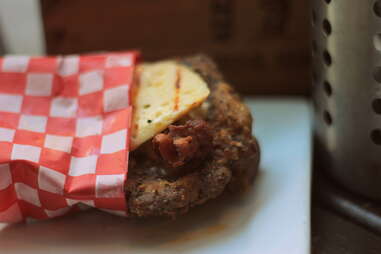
[346,76]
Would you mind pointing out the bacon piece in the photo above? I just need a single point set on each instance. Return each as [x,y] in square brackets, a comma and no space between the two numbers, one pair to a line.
[184,143]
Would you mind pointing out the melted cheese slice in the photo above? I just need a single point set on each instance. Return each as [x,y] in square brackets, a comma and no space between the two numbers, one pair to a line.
[163,93]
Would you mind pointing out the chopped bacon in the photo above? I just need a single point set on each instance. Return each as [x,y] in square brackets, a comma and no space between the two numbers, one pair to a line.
[183,143]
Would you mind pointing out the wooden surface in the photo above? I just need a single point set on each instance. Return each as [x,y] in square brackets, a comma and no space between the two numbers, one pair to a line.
[341,224]
[334,234]
[261,46]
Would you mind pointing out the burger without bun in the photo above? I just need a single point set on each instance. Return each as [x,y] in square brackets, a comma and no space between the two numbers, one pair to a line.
[191,138]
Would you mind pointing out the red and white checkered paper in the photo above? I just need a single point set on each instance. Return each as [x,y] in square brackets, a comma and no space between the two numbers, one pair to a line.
[64,134]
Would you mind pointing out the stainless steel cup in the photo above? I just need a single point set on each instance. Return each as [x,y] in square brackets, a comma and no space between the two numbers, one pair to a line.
[346,53]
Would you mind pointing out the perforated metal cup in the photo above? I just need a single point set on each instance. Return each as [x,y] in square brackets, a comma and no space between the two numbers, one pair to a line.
[346,77]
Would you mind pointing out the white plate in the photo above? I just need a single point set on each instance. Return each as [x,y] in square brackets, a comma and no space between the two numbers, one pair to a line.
[21,28]
[273,218]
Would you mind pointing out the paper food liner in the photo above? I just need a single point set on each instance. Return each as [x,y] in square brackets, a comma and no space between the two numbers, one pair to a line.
[64,134]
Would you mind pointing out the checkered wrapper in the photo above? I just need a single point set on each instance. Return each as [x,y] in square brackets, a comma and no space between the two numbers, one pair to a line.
[64,133]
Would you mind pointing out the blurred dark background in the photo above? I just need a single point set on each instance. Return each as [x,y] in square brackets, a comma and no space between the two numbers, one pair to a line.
[262,46]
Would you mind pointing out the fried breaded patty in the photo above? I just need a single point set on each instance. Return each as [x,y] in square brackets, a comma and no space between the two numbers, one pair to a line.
[157,188]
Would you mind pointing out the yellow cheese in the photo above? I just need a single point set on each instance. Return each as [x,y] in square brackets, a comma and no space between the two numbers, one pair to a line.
[164,92]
